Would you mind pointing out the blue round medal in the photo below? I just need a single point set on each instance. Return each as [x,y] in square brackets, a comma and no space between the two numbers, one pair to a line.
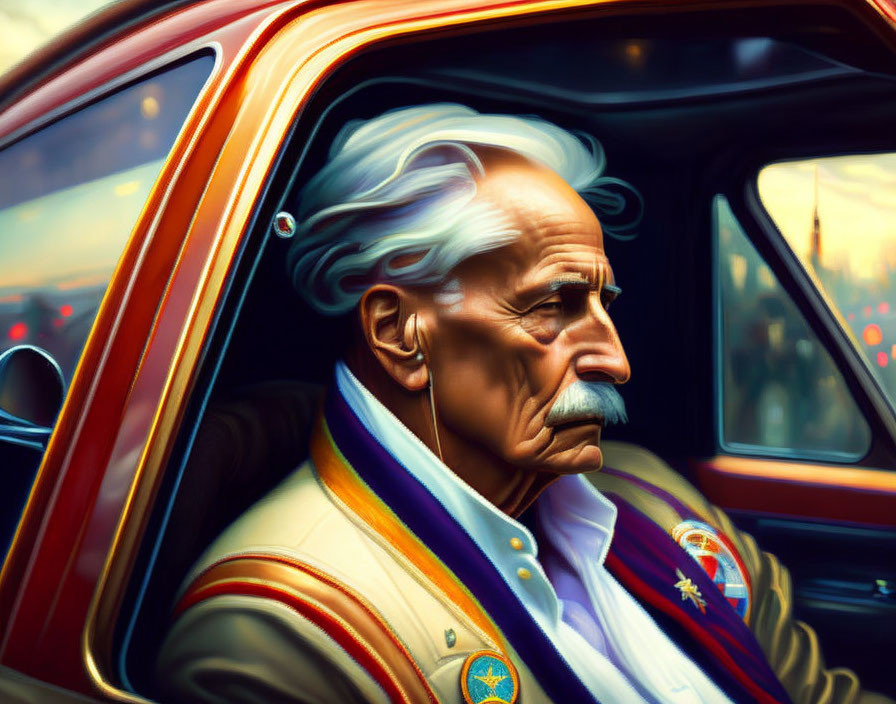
[488,676]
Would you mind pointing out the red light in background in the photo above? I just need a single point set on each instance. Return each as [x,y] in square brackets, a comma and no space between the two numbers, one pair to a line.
[872,335]
[866,311]
[58,322]
[18,331]
[882,359]
[66,310]
[851,316]
[883,307]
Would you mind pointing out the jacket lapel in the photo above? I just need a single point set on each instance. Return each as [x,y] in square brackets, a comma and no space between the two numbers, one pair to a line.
[682,598]
[393,494]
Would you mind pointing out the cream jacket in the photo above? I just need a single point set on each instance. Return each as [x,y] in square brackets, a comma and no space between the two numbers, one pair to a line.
[300,600]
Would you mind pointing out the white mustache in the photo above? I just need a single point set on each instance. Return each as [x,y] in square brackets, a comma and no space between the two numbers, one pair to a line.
[588,400]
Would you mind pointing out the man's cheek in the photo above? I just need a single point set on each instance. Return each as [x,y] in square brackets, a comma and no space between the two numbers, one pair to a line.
[469,345]
[478,401]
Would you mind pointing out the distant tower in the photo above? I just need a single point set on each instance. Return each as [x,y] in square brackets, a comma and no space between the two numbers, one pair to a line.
[815,253]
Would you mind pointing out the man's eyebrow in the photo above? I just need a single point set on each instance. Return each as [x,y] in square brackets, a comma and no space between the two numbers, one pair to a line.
[566,283]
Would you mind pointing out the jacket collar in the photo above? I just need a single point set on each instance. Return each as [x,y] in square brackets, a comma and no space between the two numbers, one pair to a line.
[364,474]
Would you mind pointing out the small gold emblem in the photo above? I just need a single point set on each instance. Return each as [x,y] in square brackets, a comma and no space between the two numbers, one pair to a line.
[489,679]
[689,590]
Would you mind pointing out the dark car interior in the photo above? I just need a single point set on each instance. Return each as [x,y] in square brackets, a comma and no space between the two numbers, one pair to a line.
[687,105]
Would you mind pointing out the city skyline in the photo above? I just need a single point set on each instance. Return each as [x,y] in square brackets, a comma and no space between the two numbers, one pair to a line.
[856,206]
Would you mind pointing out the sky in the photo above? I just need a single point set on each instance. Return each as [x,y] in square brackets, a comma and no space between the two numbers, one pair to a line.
[24,26]
[98,217]
[856,208]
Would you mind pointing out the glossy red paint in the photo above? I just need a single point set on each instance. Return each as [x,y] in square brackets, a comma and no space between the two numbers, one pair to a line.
[51,573]
[191,26]
[887,8]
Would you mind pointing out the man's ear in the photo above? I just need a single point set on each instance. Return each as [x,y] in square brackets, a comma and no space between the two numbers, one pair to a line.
[389,323]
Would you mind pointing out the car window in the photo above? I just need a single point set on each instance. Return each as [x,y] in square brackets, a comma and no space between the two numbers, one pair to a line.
[70,195]
[838,215]
[781,393]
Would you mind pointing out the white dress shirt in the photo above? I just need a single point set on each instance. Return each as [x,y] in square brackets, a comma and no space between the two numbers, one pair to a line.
[614,647]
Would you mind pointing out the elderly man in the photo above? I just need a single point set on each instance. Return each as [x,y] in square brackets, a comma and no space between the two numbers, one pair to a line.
[441,543]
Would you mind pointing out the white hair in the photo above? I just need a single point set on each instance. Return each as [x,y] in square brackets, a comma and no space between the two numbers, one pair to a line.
[394,203]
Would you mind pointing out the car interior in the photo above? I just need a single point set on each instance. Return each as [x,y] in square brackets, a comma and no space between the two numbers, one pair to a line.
[688,105]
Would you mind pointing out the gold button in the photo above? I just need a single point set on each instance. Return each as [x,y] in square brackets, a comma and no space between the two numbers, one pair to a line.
[523,573]
[516,543]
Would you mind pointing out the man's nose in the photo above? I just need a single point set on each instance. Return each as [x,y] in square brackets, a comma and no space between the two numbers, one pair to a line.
[599,354]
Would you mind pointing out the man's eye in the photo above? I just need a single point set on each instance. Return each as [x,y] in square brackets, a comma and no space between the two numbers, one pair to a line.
[548,307]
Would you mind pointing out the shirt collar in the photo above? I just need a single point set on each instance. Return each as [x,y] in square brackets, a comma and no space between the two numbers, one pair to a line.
[578,515]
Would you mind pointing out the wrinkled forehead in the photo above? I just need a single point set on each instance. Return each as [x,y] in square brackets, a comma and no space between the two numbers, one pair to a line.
[535,199]
[559,233]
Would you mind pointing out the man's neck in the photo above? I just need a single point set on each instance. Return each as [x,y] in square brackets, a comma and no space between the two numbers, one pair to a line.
[508,488]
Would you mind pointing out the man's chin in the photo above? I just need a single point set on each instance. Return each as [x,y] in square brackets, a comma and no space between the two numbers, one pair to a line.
[578,450]
[590,460]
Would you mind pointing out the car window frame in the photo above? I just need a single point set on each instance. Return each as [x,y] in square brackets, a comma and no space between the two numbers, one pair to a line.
[725,446]
[770,244]
[146,72]
[47,477]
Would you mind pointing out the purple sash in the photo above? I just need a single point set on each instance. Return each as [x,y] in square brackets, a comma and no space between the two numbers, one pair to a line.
[647,562]
[650,556]
[425,517]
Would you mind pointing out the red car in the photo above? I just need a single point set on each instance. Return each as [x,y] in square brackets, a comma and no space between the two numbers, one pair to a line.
[156,377]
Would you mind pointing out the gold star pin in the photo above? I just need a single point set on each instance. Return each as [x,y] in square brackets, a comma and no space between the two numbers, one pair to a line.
[689,590]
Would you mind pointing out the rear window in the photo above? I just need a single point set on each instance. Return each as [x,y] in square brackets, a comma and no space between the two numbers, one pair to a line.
[70,195]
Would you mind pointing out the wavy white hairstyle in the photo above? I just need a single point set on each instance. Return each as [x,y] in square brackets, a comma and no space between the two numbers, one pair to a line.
[394,202]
